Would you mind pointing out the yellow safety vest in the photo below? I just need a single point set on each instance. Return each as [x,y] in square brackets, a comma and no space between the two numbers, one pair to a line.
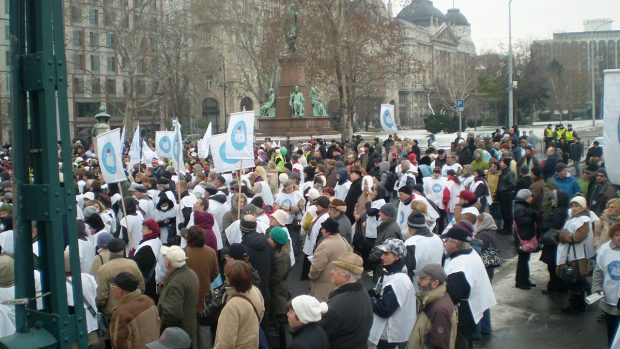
[548,133]
[569,135]
[279,165]
[560,134]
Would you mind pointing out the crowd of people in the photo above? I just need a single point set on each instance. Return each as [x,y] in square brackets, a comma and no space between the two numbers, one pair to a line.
[204,258]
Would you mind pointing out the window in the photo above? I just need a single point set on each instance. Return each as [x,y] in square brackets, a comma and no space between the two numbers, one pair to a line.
[109,40]
[140,87]
[111,63]
[94,63]
[96,86]
[78,85]
[94,39]
[78,61]
[7,6]
[76,13]
[93,17]
[86,109]
[110,86]
[7,57]
[209,82]
[77,38]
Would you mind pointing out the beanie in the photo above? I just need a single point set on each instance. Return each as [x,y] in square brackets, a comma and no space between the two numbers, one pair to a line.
[116,245]
[248,224]
[308,309]
[388,210]
[103,239]
[279,235]
[416,220]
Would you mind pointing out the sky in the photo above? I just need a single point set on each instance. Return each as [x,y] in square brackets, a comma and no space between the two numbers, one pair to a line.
[531,19]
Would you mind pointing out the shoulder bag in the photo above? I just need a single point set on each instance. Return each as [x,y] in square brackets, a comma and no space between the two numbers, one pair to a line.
[527,246]
[569,271]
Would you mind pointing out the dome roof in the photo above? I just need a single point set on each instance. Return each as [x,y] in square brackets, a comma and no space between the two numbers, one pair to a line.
[455,17]
[421,11]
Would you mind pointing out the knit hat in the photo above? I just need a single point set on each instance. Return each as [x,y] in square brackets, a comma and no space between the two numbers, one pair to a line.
[551,184]
[313,194]
[152,225]
[249,209]
[236,251]
[89,196]
[331,225]
[579,200]
[210,188]
[280,216]
[350,262]
[248,224]
[322,201]
[258,202]
[524,194]
[507,161]
[125,281]
[457,233]
[432,271]
[283,177]
[116,245]
[278,234]
[308,309]
[467,196]
[388,210]
[395,246]
[171,338]
[602,171]
[103,239]
[405,189]
[174,254]
[7,271]
[416,220]
[524,170]
[339,205]
[560,167]
[419,187]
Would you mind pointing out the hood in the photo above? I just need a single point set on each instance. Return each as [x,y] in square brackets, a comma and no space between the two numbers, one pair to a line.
[219,197]
[255,241]
[204,219]
[342,176]
[384,166]
[488,223]
[562,199]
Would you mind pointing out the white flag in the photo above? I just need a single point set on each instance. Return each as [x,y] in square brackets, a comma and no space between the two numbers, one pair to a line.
[240,136]
[221,159]
[386,116]
[123,140]
[148,155]
[163,143]
[177,150]
[134,150]
[611,121]
[203,144]
[109,155]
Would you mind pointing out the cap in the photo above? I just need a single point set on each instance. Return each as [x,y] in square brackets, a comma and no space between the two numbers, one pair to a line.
[308,309]
[579,200]
[395,246]
[116,245]
[467,195]
[210,188]
[388,210]
[103,239]
[339,205]
[171,338]
[416,220]
[152,225]
[89,195]
[248,224]
[313,194]
[125,281]
[174,254]
[137,187]
[279,235]
[236,251]
[249,209]
[331,225]
[457,233]
[432,271]
[350,262]
[405,189]
[280,216]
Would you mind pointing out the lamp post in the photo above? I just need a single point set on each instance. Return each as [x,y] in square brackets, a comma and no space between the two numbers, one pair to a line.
[592,66]
[510,87]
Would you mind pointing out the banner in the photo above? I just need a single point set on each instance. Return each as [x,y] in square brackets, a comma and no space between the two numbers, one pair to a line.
[221,156]
[109,155]
[134,150]
[611,123]
[177,150]
[203,144]
[148,155]
[240,136]
[163,143]
[386,116]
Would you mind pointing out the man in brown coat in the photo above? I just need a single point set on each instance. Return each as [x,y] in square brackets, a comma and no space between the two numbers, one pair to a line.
[135,321]
[109,270]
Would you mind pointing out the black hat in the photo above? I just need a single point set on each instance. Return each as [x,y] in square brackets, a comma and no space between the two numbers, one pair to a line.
[125,281]
[221,179]
[416,220]
[258,201]
[322,201]
[248,224]
[331,225]
[95,222]
[236,251]
[116,245]
[163,180]
[419,187]
[405,189]
[388,210]
[457,233]
[507,161]
[524,169]
[560,167]
[480,172]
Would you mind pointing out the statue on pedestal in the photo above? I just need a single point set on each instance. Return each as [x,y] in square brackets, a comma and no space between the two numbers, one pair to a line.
[268,109]
[291,34]
[297,102]
[318,108]
[102,126]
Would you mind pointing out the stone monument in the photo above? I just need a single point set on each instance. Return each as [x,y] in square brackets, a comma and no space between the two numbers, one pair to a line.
[102,126]
[297,111]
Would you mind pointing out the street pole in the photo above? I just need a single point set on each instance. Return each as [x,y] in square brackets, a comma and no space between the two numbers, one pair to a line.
[460,122]
[224,86]
[510,103]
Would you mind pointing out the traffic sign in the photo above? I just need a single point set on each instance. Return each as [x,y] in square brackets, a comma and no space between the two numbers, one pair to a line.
[460,105]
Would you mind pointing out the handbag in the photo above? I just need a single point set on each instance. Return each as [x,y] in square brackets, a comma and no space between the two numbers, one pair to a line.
[491,257]
[527,246]
[214,303]
[359,237]
[549,238]
[569,271]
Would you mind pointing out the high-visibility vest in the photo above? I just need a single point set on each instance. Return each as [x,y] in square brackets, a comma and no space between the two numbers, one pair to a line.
[569,135]
[548,133]
[279,165]
[560,134]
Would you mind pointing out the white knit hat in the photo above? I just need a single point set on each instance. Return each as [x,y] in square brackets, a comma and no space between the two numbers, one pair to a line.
[308,309]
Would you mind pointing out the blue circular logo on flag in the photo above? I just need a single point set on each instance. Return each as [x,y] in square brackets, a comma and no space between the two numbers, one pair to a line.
[613,269]
[223,155]
[387,119]
[176,146]
[108,158]
[239,136]
[436,188]
[165,144]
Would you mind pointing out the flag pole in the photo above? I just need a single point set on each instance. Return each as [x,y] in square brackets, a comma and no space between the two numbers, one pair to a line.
[239,183]
[120,189]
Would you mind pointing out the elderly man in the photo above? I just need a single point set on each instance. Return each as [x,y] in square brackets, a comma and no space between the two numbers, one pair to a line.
[602,192]
[468,284]
[349,318]
[179,294]
[437,314]
[423,247]
[337,211]
[406,178]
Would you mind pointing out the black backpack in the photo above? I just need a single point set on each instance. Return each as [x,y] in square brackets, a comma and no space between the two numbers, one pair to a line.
[410,262]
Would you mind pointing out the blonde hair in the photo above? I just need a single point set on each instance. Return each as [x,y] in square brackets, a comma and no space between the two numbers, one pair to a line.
[419,206]
[260,171]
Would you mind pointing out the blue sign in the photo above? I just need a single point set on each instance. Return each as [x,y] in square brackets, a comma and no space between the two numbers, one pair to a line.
[387,119]
[460,103]
[109,158]
[239,136]
[165,144]
[223,155]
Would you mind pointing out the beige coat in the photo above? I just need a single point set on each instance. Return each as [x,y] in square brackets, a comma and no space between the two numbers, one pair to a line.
[237,326]
[330,248]
[135,322]
[106,273]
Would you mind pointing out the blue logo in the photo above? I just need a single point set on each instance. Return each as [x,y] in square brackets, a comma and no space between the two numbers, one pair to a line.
[176,145]
[401,217]
[287,202]
[436,188]
[387,119]
[223,155]
[613,269]
[239,136]
[108,158]
[165,144]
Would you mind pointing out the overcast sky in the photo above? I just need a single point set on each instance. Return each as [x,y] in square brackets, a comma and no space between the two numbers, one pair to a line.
[531,19]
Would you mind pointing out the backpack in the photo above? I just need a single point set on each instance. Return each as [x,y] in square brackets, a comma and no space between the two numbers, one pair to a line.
[390,182]
[410,262]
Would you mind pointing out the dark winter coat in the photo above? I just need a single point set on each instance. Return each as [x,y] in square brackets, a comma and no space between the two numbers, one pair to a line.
[351,199]
[262,258]
[554,220]
[309,336]
[524,221]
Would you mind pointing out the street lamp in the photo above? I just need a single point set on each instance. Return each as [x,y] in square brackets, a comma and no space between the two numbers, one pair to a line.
[510,86]
[591,56]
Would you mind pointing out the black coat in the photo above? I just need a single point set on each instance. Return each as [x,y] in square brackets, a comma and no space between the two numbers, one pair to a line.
[351,199]
[524,220]
[349,317]
[309,336]
[262,258]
